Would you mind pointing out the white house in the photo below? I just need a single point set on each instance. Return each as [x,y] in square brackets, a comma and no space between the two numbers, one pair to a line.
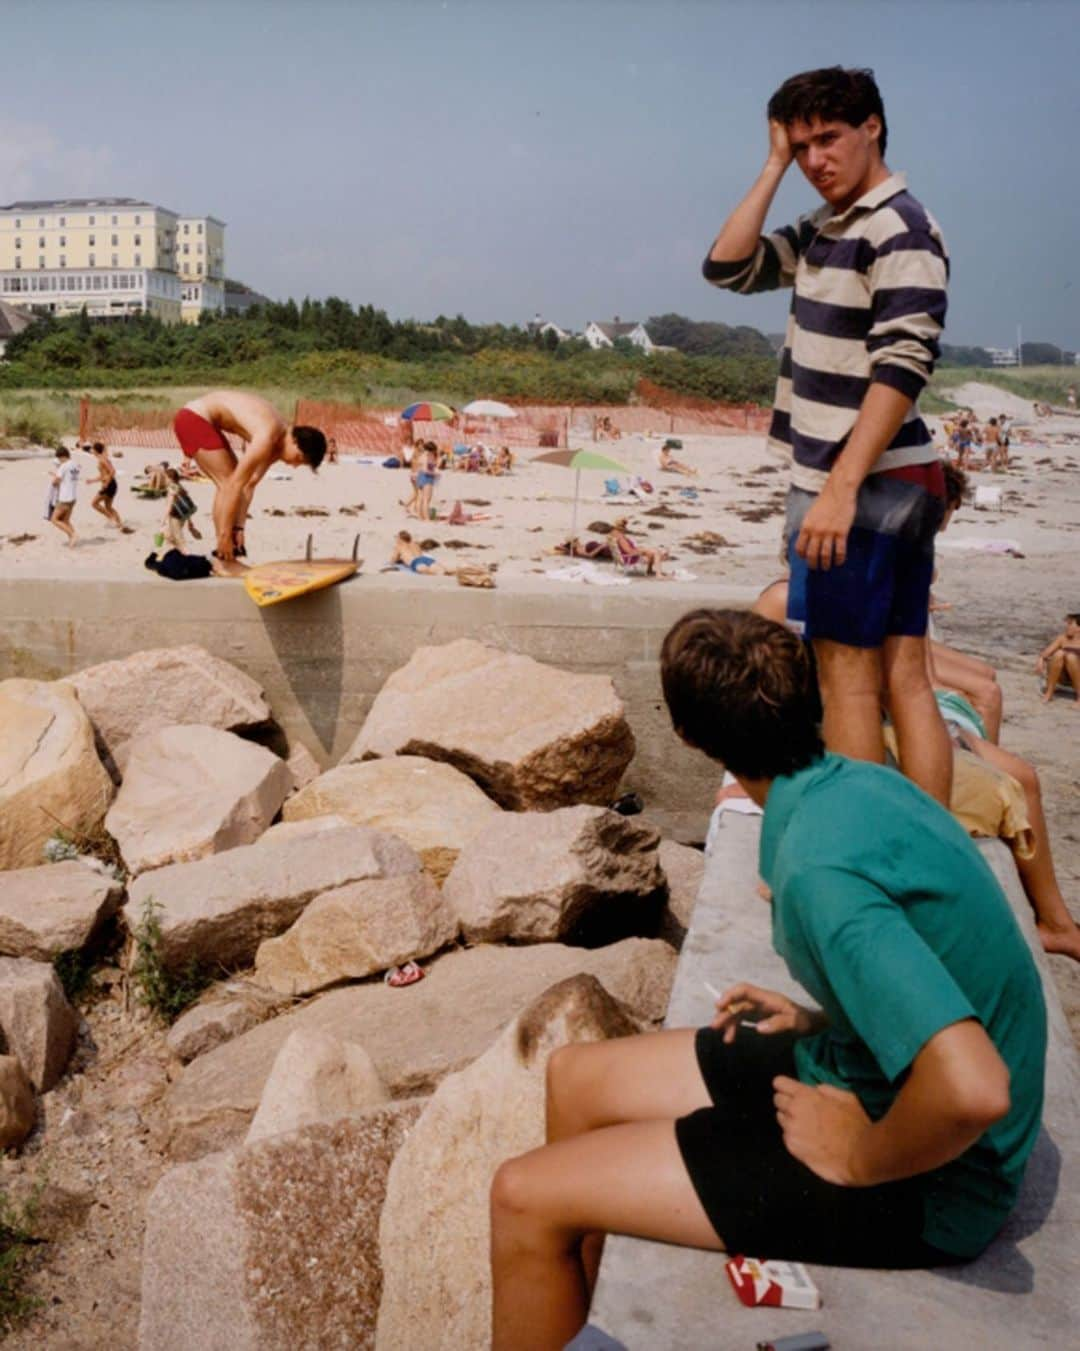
[1002,356]
[604,335]
[538,327]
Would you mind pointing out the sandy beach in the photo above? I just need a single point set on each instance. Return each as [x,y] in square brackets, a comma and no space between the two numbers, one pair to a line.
[1002,606]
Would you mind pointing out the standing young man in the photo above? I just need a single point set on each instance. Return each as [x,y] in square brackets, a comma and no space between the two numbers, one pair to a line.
[200,427]
[869,270]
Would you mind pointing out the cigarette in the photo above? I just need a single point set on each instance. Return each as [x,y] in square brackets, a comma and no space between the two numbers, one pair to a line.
[736,1006]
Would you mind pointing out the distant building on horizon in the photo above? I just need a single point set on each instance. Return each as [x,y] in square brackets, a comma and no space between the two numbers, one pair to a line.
[1002,356]
[115,256]
[605,334]
[538,326]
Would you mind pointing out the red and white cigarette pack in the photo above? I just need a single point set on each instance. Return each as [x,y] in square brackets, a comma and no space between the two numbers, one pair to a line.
[775,1285]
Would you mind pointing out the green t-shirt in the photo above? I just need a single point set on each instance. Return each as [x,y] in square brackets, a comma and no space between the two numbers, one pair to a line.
[886,913]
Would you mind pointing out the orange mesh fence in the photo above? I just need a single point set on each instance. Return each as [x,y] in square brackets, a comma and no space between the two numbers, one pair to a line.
[358,428]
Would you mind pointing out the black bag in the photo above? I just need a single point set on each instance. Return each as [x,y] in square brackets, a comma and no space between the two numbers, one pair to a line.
[180,567]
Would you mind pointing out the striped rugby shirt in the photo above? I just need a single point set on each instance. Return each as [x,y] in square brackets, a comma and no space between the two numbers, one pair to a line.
[869,304]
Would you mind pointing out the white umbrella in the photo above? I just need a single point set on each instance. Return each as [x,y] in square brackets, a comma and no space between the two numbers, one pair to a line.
[489,408]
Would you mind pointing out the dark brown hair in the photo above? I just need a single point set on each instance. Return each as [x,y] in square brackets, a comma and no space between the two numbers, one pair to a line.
[956,482]
[832,94]
[742,689]
[311,443]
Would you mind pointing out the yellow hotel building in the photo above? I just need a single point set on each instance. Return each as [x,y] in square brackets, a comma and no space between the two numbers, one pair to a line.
[114,255]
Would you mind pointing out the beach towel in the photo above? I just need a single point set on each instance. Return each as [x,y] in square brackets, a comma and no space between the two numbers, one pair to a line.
[586,572]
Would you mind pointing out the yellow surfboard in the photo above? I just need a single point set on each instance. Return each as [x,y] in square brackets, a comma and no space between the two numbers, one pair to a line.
[272,583]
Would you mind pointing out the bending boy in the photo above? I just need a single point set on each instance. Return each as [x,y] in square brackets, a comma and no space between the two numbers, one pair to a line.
[200,427]
[890,1131]
[869,271]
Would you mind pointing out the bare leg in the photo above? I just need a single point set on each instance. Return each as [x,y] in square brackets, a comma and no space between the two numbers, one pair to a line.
[1072,668]
[218,466]
[551,1207]
[973,678]
[65,527]
[921,735]
[851,683]
[1058,931]
[1054,668]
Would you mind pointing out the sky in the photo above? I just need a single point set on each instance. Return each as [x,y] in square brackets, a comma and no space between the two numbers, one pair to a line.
[573,158]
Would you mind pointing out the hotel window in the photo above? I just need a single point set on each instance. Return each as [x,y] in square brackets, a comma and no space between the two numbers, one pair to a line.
[93,241]
[41,222]
[93,220]
[18,223]
[138,260]
[116,260]
[187,248]
[187,227]
[198,228]
[63,261]
[18,243]
[18,262]
[138,238]
[41,262]
[138,220]
[115,239]
[41,242]
[63,221]
[63,242]
[199,250]
[92,263]
[116,220]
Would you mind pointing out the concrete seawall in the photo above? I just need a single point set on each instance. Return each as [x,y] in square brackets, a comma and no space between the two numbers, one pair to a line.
[322,659]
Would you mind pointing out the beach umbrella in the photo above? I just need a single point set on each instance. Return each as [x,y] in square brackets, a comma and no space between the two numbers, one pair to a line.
[427,412]
[577,460]
[489,408]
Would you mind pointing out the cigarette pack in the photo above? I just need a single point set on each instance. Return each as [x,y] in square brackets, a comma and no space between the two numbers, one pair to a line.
[776,1285]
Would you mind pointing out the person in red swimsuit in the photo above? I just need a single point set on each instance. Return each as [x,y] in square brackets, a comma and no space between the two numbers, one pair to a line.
[200,428]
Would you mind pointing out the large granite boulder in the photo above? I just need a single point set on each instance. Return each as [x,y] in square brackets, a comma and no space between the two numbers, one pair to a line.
[193,791]
[50,774]
[55,908]
[166,687]
[429,804]
[356,931]
[315,1077]
[415,1035]
[275,1246]
[684,870]
[37,1022]
[16,1103]
[219,909]
[533,737]
[435,1231]
[580,874]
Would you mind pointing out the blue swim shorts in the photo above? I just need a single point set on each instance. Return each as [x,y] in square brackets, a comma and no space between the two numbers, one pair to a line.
[882,589]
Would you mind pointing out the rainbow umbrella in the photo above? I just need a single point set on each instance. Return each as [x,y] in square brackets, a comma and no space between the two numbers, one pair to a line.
[577,460]
[427,412]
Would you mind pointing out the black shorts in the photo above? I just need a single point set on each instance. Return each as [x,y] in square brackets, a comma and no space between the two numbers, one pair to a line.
[109,490]
[762,1201]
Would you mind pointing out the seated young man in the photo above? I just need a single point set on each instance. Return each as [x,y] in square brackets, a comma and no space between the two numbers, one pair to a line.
[893,1129]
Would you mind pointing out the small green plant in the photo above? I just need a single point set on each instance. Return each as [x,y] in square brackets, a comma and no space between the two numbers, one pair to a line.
[16,1239]
[59,846]
[74,969]
[165,993]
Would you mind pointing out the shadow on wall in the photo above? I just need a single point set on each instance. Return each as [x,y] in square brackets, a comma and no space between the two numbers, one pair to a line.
[308,637]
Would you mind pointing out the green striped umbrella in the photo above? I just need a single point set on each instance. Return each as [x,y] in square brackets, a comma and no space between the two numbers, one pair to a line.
[577,460]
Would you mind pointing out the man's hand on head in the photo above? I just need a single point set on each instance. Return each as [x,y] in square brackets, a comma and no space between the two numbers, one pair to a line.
[822,1127]
[780,152]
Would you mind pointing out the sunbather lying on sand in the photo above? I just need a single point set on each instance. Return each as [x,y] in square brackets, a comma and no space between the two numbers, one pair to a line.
[583,548]
[409,556]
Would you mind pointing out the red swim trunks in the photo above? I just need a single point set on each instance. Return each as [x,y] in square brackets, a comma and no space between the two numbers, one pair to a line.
[195,433]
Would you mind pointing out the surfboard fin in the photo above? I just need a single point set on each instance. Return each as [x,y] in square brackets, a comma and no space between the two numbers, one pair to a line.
[355,546]
[307,551]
